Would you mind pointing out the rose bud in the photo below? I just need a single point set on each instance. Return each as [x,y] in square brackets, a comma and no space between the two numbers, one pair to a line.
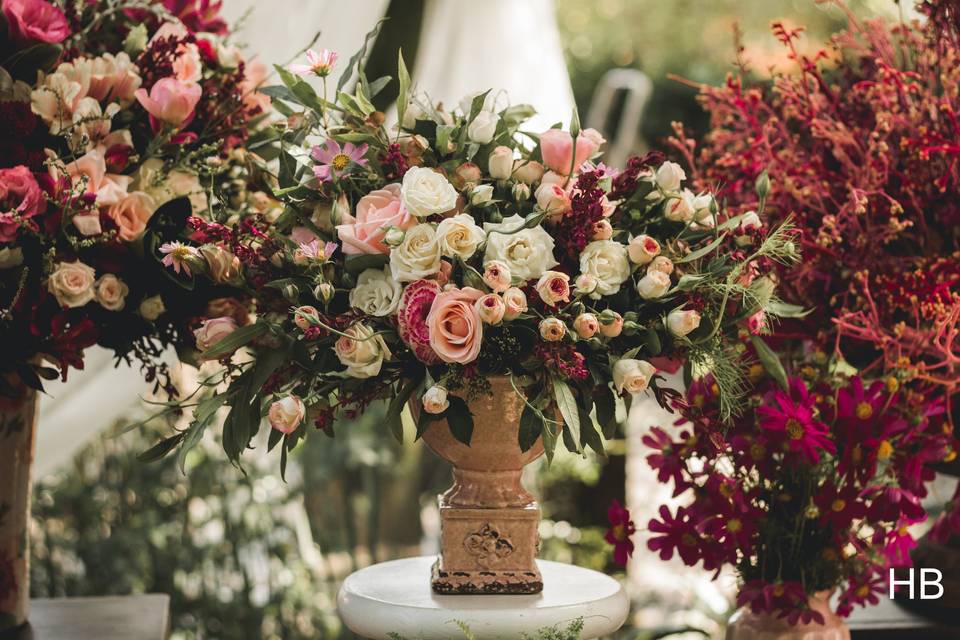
[467,174]
[435,400]
[680,208]
[643,249]
[553,287]
[394,237]
[750,222]
[553,199]
[653,285]
[496,275]
[500,163]
[602,230]
[669,176]
[323,291]
[305,317]
[611,323]
[632,376]
[680,322]
[552,329]
[662,264]
[515,301]
[757,322]
[286,414]
[491,308]
[528,172]
[521,192]
[586,284]
[586,325]
[481,194]
[152,308]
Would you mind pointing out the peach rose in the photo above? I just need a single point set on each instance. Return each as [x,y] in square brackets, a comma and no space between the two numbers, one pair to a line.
[553,287]
[552,329]
[286,414]
[491,308]
[376,212]
[170,101]
[456,330]
[89,173]
[71,283]
[516,302]
[213,331]
[131,215]
[496,275]
[586,325]
[111,292]
[556,146]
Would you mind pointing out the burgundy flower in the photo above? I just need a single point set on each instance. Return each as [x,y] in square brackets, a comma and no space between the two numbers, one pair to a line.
[199,15]
[669,462]
[677,534]
[621,528]
[863,590]
[839,507]
[793,420]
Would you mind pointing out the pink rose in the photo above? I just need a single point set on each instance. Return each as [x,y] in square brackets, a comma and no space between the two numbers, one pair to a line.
[757,323]
[213,331]
[376,212]
[286,414]
[170,101]
[556,146]
[131,215]
[89,172]
[35,21]
[415,305]
[20,200]
[456,329]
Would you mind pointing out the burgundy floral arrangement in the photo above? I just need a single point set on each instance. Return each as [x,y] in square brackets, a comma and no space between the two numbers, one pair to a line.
[811,490]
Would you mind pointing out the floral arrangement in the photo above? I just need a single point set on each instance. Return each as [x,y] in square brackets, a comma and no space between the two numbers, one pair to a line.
[121,121]
[419,261]
[812,490]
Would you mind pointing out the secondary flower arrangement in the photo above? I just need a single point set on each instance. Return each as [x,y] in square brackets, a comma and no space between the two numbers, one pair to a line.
[812,490]
[420,261]
[120,121]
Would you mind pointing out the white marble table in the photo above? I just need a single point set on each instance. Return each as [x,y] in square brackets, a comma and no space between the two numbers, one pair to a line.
[395,597]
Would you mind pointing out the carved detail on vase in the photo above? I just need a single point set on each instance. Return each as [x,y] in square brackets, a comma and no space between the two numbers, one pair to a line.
[489,546]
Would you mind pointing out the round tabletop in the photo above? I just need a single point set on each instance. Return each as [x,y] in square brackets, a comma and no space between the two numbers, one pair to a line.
[395,598]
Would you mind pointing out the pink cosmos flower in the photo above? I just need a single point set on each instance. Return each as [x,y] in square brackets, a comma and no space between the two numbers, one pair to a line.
[791,417]
[376,212]
[415,304]
[20,200]
[319,63]
[176,254]
[35,21]
[170,101]
[334,161]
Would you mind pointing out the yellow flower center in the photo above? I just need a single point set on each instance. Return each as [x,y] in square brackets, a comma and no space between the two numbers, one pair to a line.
[838,505]
[885,450]
[619,532]
[726,490]
[864,410]
[699,400]
[794,429]
[892,385]
[779,590]
[857,454]
[734,525]
[340,161]
[863,591]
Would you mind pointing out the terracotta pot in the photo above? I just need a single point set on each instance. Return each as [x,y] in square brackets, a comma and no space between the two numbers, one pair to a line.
[17,435]
[489,522]
[746,625]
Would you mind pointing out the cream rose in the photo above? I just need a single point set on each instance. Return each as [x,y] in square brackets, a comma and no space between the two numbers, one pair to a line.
[553,287]
[459,236]
[680,208]
[643,249]
[500,163]
[152,308]
[611,323]
[653,285]
[483,127]
[528,171]
[661,263]
[361,351]
[552,329]
[435,400]
[491,308]
[606,261]
[680,322]
[286,414]
[669,176]
[515,301]
[586,325]
[418,256]
[111,292]
[71,283]
[527,253]
[377,293]
[632,375]
[425,192]
[585,284]
[496,275]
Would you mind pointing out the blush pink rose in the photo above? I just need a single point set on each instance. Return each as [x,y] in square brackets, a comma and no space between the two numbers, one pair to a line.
[415,304]
[456,329]
[376,212]
[35,21]
[170,101]
[20,199]
[556,146]
[131,215]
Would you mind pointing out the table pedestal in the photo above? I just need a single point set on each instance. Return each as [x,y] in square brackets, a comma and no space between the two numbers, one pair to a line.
[395,597]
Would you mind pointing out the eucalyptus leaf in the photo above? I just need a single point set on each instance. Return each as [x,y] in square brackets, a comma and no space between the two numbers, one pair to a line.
[770,361]
[568,409]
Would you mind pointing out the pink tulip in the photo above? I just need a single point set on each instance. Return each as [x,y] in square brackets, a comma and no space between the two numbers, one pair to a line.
[170,101]
[556,146]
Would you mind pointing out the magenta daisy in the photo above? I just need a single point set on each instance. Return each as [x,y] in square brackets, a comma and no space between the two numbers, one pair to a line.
[319,63]
[794,420]
[334,161]
[176,255]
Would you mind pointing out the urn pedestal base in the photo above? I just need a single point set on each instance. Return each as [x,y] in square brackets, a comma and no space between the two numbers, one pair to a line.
[488,551]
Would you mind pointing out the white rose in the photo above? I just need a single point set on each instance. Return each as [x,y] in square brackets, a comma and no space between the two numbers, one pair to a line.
[87,224]
[418,256]
[11,257]
[377,293]
[412,114]
[653,285]
[527,253]
[435,400]
[425,192]
[481,194]
[459,236]
[632,375]
[701,206]
[585,284]
[680,208]
[680,322]
[669,176]
[490,102]
[361,351]
[483,127]
[500,163]
[151,308]
[606,261]
[71,283]
[661,263]
[286,414]
[111,292]
[750,222]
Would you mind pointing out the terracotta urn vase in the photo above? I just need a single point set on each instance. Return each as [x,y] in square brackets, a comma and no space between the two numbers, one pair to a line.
[746,625]
[17,434]
[489,522]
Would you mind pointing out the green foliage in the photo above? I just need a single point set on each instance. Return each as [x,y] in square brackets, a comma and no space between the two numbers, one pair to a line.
[569,632]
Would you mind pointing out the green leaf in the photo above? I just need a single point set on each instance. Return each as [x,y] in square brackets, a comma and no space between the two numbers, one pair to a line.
[651,341]
[590,432]
[549,434]
[568,409]
[531,425]
[476,105]
[786,310]
[161,449]
[202,416]
[770,361]
[606,410]
[395,409]
[357,59]
[359,263]
[701,252]
[237,339]
[459,419]
[24,64]
[404,78]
